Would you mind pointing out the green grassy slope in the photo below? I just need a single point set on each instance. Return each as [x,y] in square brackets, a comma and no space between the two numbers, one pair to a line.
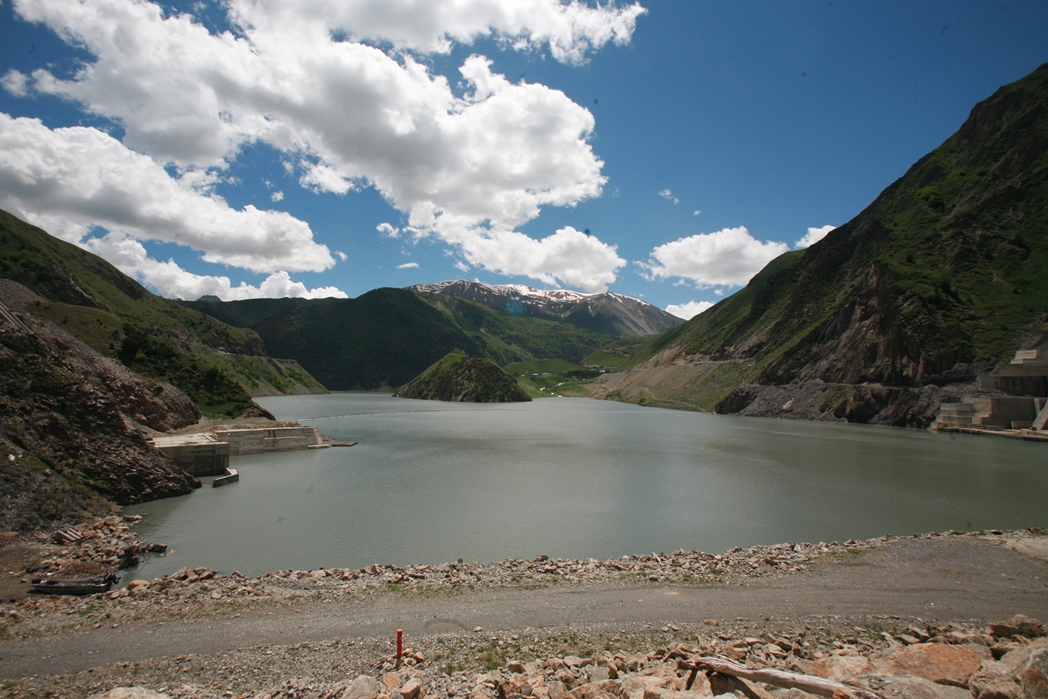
[216,365]
[458,376]
[941,276]
[506,338]
[382,338]
[387,336]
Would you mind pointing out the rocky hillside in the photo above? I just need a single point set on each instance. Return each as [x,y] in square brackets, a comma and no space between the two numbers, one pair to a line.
[466,379]
[70,443]
[606,313]
[940,279]
[386,337]
[218,366]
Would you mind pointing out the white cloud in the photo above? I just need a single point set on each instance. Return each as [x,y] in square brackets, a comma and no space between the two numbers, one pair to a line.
[15,82]
[387,230]
[570,29]
[813,236]
[696,212]
[69,180]
[667,194]
[688,310]
[729,257]
[566,257]
[341,255]
[408,265]
[168,278]
[276,196]
[347,115]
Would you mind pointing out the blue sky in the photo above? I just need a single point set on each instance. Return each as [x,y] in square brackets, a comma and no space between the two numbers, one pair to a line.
[664,149]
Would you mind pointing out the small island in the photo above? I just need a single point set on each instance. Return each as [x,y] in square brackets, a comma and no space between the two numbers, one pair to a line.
[466,379]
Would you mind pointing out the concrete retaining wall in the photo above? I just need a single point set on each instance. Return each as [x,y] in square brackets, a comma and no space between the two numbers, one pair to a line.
[259,441]
[200,460]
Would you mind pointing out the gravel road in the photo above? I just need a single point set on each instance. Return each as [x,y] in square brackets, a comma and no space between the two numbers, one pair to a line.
[947,579]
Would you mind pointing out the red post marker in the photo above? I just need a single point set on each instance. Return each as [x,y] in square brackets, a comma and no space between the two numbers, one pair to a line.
[400,644]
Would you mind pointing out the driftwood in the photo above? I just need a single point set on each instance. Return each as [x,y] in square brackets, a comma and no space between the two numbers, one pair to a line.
[779,678]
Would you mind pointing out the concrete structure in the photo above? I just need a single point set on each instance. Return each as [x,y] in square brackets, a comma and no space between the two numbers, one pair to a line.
[207,454]
[1023,412]
[258,441]
[231,476]
[200,455]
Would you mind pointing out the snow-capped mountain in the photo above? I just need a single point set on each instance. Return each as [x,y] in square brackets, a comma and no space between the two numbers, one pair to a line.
[605,312]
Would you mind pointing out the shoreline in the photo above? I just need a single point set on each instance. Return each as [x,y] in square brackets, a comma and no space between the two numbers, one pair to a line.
[313,633]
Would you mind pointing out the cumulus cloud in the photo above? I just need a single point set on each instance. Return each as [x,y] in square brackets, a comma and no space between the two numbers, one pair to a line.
[813,236]
[728,257]
[168,278]
[569,29]
[566,257]
[667,194]
[276,196]
[347,115]
[387,230]
[69,180]
[688,310]
[408,265]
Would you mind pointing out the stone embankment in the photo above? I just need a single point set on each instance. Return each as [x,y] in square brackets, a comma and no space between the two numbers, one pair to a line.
[1002,661]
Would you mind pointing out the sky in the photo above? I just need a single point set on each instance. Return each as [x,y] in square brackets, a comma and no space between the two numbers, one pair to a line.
[662,149]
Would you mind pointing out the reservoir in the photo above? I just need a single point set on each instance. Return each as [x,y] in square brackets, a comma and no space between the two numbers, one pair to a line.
[431,482]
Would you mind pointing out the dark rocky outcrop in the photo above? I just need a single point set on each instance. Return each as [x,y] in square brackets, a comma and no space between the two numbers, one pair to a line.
[70,442]
[467,379]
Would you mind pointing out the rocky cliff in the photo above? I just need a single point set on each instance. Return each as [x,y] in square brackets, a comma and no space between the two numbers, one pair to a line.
[939,280]
[70,443]
[463,378]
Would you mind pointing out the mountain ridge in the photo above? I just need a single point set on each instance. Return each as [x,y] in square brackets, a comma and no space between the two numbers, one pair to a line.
[938,280]
[605,312]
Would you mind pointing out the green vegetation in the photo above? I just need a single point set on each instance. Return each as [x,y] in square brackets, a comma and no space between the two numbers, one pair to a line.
[387,336]
[219,367]
[615,354]
[544,378]
[460,377]
[939,278]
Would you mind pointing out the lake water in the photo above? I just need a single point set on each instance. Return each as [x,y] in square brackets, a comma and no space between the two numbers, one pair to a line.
[431,482]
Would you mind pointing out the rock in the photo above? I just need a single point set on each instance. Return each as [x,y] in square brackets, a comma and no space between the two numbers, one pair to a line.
[1021,673]
[135,584]
[411,689]
[1018,625]
[130,693]
[514,666]
[391,680]
[598,690]
[912,688]
[840,668]
[363,687]
[940,663]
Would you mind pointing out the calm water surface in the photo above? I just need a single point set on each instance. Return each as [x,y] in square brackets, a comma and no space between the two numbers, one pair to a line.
[431,482]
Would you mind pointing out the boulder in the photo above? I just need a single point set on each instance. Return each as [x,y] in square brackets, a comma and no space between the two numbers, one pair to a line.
[130,693]
[889,687]
[938,662]
[1020,674]
[840,668]
[363,687]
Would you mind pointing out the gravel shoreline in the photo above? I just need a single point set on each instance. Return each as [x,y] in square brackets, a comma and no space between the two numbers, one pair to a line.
[446,664]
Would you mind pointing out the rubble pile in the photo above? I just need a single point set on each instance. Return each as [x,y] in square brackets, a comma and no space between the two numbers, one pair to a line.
[1003,661]
[103,544]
